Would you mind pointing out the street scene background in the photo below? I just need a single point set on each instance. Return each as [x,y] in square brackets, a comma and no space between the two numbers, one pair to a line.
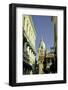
[39,44]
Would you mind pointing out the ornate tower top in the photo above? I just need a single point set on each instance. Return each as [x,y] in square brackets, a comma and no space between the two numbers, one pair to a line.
[42,44]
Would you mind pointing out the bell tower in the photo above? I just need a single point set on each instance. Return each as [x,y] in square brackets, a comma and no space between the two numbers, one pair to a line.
[41,56]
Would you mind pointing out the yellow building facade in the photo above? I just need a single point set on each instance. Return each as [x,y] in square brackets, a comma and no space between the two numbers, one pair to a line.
[29,35]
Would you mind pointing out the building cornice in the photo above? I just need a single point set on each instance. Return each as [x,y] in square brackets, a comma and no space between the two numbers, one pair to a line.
[30,17]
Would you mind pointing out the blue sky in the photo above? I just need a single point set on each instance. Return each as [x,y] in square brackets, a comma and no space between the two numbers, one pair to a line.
[44,30]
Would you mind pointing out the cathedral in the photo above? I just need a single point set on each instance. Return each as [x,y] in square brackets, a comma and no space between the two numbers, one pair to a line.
[41,56]
[45,59]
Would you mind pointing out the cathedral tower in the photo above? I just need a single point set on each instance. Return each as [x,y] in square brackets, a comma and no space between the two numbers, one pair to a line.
[41,56]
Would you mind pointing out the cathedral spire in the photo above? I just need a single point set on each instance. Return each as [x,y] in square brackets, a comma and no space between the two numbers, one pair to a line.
[42,43]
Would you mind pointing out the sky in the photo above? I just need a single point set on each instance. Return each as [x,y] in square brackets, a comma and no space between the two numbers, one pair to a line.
[44,30]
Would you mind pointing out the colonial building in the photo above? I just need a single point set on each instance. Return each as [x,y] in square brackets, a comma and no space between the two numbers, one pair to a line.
[41,56]
[29,37]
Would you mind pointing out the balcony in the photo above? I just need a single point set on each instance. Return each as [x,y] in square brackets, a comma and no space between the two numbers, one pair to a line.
[29,42]
[26,56]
